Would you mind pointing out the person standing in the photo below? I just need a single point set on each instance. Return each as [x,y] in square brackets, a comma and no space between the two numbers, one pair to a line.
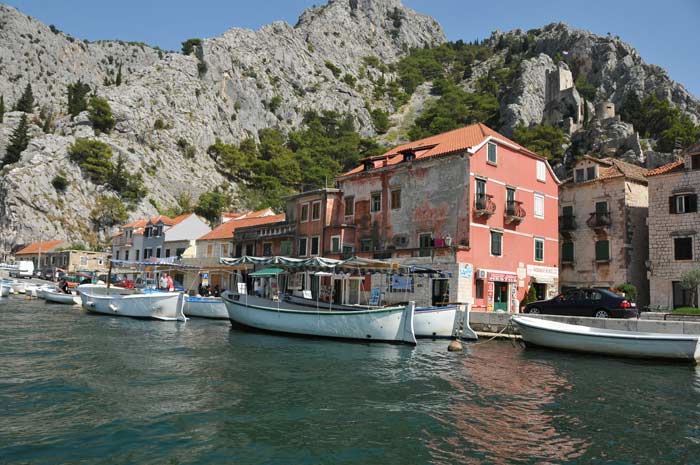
[171,285]
[163,282]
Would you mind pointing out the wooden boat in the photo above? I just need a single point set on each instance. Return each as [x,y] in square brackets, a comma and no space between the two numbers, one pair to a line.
[392,324]
[428,322]
[206,307]
[116,301]
[578,338]
[58,297]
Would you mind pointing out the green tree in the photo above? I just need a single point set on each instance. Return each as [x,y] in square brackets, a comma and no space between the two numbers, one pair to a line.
[94,158]
[118,80]
[2,108]
[129,186]
[690,280]
[542,139]
[18,142]
[109,211]
[380,119]
[60,183]
[585,88]
[77,97]
[189,45]
[100,114]
[211,204]
[530,297]
[26,101]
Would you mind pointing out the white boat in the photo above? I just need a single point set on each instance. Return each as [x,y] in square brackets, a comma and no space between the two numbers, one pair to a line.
[392,324]
[5,289]
[578,338]
[41,291]
[18,287]
[429,322]
[60,297]
[115,301]
[30,290]
[206,307]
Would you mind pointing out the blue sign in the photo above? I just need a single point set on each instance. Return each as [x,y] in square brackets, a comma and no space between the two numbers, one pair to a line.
[466,271]
[375,296]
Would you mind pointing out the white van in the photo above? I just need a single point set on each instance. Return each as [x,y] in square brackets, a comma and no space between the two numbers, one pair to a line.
[25,269]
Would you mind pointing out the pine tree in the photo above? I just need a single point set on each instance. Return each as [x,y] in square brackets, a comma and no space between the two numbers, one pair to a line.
[18,142]
[26,101]
[118,81]
[77,97]
[2,107]
[100,114]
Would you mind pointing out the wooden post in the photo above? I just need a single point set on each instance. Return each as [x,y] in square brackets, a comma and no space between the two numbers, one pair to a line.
[109,271]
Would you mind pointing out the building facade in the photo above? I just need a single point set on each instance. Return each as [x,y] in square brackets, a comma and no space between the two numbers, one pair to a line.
[674,226]
[603,211]
[51,254]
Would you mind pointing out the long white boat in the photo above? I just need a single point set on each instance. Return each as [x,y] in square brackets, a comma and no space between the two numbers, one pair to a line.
[115,301]
[428,322]
[392,324]
[59,297]
[206,307]
[578,338]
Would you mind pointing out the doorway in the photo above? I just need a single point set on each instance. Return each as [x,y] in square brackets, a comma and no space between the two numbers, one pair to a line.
[681,296]
[541,291]
[337,291]
[441,291]
[500,296]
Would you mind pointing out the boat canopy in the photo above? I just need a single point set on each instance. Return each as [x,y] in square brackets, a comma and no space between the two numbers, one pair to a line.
[158,263]
[267,272]
[354,264]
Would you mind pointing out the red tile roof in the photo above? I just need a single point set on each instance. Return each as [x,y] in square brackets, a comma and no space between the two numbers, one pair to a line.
[442,144]
[674,166]
[225,230]
[34,247]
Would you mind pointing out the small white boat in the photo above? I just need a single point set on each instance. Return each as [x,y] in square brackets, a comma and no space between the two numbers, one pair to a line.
[392,324]
[60,297]
[5,290]
[206,307]
[115,301]
[18,287]
[30,290]
[578,338]
[41,291]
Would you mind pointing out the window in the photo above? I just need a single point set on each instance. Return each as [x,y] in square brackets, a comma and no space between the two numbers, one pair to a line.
[302,246]
[492,156]
[117,255]
[210,250]
[695,162]
[376,202]
[239,250]
[396,199]
[286,248]
[479,288]
[480,187]
[683,248]
[249,250]
[567,252]
[157,252]
[304,217]
[602,251]
[601,208]
[541,171]
[590,172]
[350,205]
[138,252]
[539,249]
[126,256]
[510,195]
[580,175]
[315,242]
[684,203]
[335,244]
[366,245]
[539,206]
[267,249]
[425,240]
[224,250]
[167,253]
[496,243]
[316,211]
[179,251]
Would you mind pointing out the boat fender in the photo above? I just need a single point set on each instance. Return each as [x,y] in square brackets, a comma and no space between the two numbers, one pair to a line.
[90,304]
[113,307]
[455,346]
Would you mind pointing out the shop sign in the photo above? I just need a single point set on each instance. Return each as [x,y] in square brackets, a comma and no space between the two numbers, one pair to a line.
[543,271]
[503,277]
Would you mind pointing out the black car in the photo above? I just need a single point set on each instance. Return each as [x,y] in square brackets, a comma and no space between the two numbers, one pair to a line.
[599,303]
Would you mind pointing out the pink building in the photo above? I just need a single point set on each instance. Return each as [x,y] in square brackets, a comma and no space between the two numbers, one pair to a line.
[469,202]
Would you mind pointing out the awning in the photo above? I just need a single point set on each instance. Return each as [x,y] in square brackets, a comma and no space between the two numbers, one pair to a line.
[543,279]
[267,272]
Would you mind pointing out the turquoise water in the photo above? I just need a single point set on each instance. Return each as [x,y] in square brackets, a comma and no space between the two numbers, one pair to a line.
[80,388]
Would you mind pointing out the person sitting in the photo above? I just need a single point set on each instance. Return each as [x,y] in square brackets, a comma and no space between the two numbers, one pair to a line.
[63,286]
[216,292]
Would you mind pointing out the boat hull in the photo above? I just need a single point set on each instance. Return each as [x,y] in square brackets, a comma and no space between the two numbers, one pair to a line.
[166,306]
[577,338]
[394,325]
[61,298]
[4,291]
[206,307]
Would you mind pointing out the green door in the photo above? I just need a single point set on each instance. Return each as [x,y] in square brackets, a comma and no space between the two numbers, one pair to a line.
[500,296]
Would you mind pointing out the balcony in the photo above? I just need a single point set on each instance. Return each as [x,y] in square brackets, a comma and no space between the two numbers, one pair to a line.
[599,220]
[484,205]
[567,223]
[515,212]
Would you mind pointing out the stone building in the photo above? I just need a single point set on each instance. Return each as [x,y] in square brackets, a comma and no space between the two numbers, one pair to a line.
[602,225]
[56,254]
[674,225]
[563,106]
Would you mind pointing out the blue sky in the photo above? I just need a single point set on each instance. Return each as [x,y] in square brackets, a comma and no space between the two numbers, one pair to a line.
[665,33]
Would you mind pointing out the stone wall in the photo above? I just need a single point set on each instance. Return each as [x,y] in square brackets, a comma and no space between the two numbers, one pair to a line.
[664,227]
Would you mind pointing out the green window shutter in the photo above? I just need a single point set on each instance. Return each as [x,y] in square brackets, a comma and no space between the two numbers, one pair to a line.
[601,207]
[567,252]
[602,250]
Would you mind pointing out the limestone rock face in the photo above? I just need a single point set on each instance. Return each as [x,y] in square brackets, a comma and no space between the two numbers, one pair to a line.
[223,90]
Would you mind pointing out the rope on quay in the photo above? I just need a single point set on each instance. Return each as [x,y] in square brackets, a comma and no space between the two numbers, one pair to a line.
[456,345]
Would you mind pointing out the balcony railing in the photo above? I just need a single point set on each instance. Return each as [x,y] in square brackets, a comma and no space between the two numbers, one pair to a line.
[515,212]
[599,220]
[484,205]
[567,223]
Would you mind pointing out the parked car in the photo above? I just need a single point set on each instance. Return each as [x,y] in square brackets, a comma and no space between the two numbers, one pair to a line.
[599,303]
